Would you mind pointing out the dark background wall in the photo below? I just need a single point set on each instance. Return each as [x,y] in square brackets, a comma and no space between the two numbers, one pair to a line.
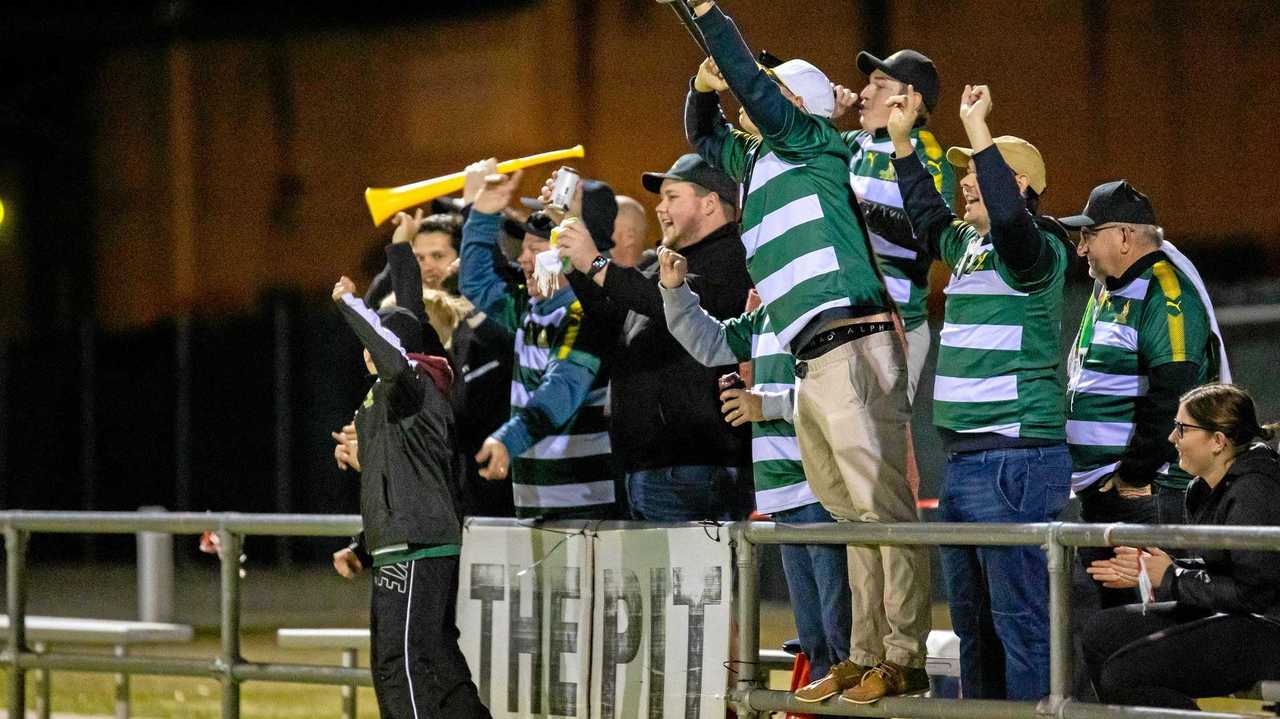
[183,183]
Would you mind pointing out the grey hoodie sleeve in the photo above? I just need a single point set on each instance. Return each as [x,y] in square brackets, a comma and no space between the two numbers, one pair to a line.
[701,335]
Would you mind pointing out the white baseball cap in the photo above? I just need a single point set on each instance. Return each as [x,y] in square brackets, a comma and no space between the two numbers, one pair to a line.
[810,84]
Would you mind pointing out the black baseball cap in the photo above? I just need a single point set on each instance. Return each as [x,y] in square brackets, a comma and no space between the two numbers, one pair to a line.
[692,168]
[599,210]
[1115,201]
[906,66]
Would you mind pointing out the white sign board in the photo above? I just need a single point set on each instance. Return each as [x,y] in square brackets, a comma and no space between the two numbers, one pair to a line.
[662,622]
[524,613]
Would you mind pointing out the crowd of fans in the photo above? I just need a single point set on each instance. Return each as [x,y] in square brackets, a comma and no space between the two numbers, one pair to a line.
[764,358]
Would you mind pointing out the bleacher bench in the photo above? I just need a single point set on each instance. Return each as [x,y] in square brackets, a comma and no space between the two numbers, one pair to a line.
[349,641]
[118,634]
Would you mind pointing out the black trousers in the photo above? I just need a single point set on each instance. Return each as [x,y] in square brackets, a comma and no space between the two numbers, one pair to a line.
[1164,506]
[1168,656]
[418,669]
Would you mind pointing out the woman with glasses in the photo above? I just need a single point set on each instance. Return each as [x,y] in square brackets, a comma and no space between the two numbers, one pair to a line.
[1209,624]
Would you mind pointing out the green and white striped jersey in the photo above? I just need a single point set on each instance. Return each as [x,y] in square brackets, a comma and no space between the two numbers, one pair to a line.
[807,250]
[568,472]
[775,451]
[871,174]
[998,350]
[1156,318]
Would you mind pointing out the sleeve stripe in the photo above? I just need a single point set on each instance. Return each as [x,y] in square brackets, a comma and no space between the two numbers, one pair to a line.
[1172,290]
[571,331]
[371,318]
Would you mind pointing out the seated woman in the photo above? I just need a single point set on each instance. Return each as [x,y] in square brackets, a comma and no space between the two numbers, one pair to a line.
[1215,625]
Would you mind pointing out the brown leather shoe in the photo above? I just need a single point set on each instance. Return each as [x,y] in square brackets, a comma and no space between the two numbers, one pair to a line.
[842,676]
[887,680]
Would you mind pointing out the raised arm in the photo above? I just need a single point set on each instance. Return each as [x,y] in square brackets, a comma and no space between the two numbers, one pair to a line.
[478,280]
[924,206]
[402,266]
[1014,235]
[760,96]
[384,348]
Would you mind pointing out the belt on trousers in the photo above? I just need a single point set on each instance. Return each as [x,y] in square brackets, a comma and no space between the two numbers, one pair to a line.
[828,340]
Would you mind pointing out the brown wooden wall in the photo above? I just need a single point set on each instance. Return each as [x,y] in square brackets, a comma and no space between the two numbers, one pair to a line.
[1175,96]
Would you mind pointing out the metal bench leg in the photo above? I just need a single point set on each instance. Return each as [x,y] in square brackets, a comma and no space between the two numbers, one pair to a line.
[43,688]
[122,687]
[349,690]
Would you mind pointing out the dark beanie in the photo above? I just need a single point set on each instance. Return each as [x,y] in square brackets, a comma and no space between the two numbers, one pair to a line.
[415,337]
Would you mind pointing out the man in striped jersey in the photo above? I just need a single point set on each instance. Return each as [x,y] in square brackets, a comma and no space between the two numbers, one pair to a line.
[556,444]
[808,253]
[905,269]
[817,576]
[997,396]
[1148,335]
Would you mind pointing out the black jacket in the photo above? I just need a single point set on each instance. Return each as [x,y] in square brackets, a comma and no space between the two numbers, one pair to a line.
[665,406]
[410,467]
[1232,581]
[481,399]
[482,359]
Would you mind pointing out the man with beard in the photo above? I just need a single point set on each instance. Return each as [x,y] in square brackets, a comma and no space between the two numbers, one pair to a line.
[683,463]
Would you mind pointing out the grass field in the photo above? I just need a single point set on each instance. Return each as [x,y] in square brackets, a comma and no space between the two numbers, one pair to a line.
[188,698]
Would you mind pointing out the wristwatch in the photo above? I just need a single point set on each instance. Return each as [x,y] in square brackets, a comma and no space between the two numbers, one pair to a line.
[599,263]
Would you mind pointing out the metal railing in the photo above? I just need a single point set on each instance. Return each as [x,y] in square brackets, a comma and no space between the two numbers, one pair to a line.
[1060,540]
[228,667]
[231,669]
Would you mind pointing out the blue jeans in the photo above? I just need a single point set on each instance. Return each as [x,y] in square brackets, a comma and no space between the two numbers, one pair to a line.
[999,596]
[686,493]
[818,581]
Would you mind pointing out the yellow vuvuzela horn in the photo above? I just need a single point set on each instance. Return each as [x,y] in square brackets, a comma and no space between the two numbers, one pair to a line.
[387,201]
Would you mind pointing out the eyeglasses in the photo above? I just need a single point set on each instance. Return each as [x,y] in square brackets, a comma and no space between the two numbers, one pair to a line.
[1088,233]
[1182,427]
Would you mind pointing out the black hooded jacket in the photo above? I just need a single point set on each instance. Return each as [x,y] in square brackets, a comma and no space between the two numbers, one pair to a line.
[410,467]
[1233,581]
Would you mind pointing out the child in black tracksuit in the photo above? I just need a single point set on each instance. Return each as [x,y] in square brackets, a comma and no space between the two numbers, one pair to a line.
[410,468]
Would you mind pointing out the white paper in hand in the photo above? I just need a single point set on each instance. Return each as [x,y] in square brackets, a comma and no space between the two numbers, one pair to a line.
[1145,590]
[547,266]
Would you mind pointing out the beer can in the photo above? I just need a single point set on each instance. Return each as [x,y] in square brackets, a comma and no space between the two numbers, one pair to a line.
[564,188]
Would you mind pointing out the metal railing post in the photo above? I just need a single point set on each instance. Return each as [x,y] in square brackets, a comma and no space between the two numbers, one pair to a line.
[1060,654]
[15,550]
[747,560]
[349,659]
[230,608]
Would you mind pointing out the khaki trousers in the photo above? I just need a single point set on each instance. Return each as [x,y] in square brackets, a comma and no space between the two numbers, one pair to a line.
[852,415]
[918,341]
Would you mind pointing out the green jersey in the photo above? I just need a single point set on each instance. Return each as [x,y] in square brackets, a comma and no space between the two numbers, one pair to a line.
[568,472]
[1155,318]
[999,346]
[775,451]
[807,249]
[874,181]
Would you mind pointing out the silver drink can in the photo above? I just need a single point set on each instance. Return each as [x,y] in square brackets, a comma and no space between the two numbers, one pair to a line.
[563,190]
